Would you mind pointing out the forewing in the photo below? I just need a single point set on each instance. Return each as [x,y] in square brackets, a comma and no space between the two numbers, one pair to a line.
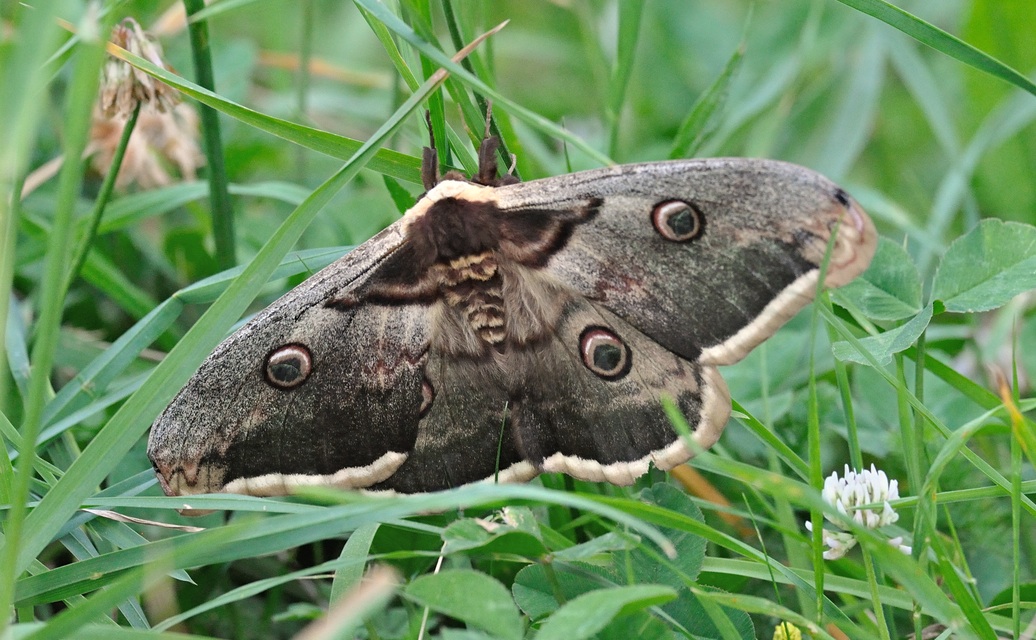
[754,262]
[352,421]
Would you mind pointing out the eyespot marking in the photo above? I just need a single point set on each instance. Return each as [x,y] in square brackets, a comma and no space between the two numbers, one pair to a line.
[288,366]
[604,353]
[678,221]
[427,397]
[842,197]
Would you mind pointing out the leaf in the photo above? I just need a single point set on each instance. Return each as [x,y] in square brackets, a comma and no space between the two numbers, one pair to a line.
[884,345]
[591,612]
[689,611]
[890,289]
[357,548]
[469,533]
[454,592]
[690,549]
[986,267]
[536,593]
[1027,592]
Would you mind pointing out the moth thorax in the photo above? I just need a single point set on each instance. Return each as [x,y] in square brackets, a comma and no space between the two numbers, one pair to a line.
[472,285]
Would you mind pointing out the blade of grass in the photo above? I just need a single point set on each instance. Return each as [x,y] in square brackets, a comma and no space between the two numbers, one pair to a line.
[222,209]
[533,119]
[354,559]
[701,121]
[848,132]
[303,81]
[630,15]
[21,81]
[940,40]
[766,435]
[96,377]
[475,65]
[260,586]
[250,537]
[101,201]
[81,95]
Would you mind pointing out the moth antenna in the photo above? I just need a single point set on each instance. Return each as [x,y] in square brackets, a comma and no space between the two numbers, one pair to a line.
[487,167]
[489,118]
[428,125]
[430,157]
[429,168]
[514,163]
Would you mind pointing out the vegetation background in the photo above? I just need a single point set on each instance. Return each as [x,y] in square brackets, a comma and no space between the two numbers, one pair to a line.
[934,137]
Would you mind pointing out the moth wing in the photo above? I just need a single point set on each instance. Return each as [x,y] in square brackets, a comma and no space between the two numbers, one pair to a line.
[351,423]
[465,435]
[569,419]
[752,262]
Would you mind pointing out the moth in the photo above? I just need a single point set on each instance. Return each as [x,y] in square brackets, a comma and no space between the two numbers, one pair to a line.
[502,329]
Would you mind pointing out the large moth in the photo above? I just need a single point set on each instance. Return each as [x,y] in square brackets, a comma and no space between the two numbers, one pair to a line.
[504,329]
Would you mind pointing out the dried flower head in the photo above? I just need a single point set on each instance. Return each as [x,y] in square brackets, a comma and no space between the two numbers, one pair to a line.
[849,494]
[159,140]
[123,86]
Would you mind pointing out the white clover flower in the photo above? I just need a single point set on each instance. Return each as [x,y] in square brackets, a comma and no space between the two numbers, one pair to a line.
[855,490]
[838,543]
[851,492]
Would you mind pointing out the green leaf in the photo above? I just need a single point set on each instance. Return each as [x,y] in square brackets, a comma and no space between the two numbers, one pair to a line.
[986,267]
[1027,592]
[539,593]
[131,209]
[591,612]
[386,161]
[691,611]
[471,597]
[649,566]
[469,533]
[884,345]
[357,547]
[890,289]
[464,634]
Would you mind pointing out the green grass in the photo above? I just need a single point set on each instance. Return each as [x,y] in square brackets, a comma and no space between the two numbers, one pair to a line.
[923,112]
